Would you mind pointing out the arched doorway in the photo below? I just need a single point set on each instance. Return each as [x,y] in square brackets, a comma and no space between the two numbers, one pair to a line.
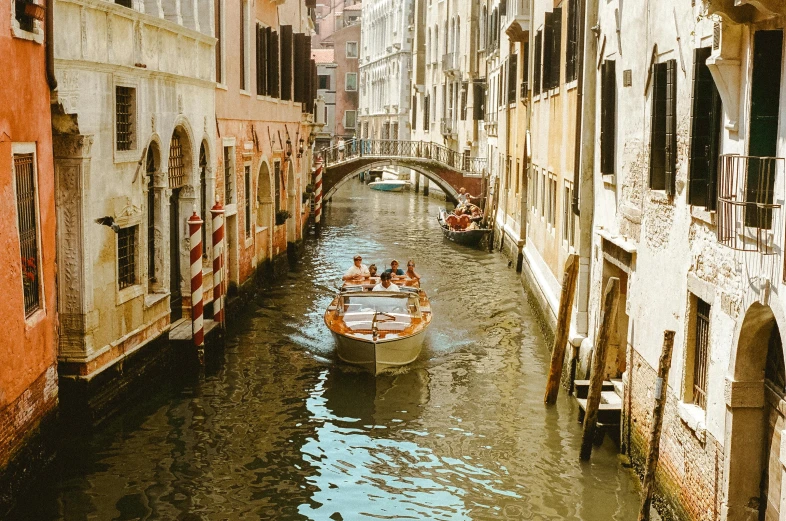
[291,204]
[755,420]
[179,166]
[205,199]
[154,221]
[264,197]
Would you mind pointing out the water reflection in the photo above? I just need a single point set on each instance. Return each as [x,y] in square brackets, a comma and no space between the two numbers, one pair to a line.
[276,428]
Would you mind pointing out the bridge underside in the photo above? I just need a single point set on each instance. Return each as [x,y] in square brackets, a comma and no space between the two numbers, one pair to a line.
[449,180]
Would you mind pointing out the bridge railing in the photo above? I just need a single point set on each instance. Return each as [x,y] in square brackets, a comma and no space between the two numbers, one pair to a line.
[392,148]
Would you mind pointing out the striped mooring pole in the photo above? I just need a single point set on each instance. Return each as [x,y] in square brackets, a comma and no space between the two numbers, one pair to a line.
[318,191]
[218,262]
[197,319]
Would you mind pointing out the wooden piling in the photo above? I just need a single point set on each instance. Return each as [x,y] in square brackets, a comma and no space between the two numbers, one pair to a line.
[661,384]
[608,317]
[563,327]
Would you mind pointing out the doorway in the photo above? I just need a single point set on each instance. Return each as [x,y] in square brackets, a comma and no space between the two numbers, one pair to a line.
[175,282]
[291,204]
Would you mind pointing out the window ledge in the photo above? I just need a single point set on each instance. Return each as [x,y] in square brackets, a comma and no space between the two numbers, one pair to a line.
[36,35]
[130,293]
[572,85]
[609,179]
[36,318]
[126,156]
[693,417]
[249,241]
[151,299]
[260,229]
[245,93]
[702,214]
[230,209]
[269,99]
[222,86]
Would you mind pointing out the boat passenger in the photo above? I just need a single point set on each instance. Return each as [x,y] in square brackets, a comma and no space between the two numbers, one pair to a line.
[394,270]
[476,215]
[372,270]
[411,273]
[357,271]
[463,197]
[385,284]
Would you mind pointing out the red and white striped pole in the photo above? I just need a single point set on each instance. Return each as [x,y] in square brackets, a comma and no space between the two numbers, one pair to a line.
[197,319]
[318,191]
[218,262]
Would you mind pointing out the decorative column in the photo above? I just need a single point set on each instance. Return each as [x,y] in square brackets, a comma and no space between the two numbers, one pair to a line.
[218,262]
[318,191]
[197,321]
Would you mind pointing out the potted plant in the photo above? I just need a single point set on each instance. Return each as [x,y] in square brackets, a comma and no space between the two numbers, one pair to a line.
[31,9]
[282,216]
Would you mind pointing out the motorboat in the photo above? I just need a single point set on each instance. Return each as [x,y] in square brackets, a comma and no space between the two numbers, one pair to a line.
[389,185]
[468,237]
[378,330]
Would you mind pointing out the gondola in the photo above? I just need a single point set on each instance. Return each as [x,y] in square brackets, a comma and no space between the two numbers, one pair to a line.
[464,237]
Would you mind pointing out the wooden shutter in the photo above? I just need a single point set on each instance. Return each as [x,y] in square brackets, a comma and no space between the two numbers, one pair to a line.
[556,51]
[513,64]
[286,62]
[572,47]
[297,71]
[414,109]
[478,101]
[608,110]
[658,128]
[525,70]
[272,63]
[536,69]
[548,39]
[671,126]
[705,133]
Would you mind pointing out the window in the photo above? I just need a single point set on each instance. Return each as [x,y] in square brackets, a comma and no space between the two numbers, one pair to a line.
[151,219]
[125,118]
[204,201]
[324,82]
[608,116]
[177,167]
[705,136]
[414,112]
[663,134]
[701,353]
[352,49]
[125,3]
[572,47]
[568,222]
[351,82]
[229,169]
[350,119]
[543,190]
[126,256]
[247,194]
[272,62]
[518,175]
[535,188]
[262,42]
[552,47]
[552,201]
[478,101]
[286,62]
[277,182]
[513,62]
[218,12]
[25,21]
[463,102]
[243,85]
[27,221]
[537,64]
[427,113]
[525,70]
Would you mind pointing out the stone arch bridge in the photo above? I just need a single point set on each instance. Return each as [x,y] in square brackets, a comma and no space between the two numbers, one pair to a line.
[448,169]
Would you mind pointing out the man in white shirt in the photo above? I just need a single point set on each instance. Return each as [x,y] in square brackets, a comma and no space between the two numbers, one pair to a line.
[357,271]
[385,284]
[463,197]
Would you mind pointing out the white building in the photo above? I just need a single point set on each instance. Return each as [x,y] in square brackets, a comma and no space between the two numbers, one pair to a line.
[387,29]
[326,92]
[134,126]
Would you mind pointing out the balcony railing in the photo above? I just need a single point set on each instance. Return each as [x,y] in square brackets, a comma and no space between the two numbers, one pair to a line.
[748,217]
[449,63]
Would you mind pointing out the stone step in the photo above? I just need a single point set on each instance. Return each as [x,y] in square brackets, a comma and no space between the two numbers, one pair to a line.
[581,388]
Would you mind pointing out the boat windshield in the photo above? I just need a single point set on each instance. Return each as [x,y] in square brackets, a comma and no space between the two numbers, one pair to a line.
[404,304]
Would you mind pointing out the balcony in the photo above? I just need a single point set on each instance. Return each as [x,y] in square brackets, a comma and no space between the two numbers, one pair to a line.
[448,127]
[450,63]
[748,217]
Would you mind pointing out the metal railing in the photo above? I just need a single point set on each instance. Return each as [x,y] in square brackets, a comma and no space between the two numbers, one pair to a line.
[748,218]
[390,148]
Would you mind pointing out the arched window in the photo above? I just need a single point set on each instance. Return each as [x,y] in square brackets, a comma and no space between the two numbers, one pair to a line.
[150,170]
[204,201]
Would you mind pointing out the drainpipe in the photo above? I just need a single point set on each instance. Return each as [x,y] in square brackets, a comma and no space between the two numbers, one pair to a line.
[50,45]
[586,140]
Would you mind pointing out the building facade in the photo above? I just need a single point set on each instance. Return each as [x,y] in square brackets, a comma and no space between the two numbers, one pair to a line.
[134,147]
[327,78]
[28,374]
[264,108]
[387,31]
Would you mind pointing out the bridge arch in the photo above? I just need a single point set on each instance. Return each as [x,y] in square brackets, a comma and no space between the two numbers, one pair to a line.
[450,191]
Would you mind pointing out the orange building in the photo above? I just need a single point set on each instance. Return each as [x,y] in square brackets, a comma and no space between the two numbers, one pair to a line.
[28,372]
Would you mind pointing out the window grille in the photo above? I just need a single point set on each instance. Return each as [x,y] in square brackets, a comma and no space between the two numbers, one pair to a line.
[203,196]
[151,219]
[228,176]
[177,170]
[124,117]
[28,230]
[700,360]
[126,256]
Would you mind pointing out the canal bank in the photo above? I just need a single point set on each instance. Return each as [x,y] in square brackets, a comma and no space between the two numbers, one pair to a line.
[274,427]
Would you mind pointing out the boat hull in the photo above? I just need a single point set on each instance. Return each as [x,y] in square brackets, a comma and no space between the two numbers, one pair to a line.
[387,186]
[381,355]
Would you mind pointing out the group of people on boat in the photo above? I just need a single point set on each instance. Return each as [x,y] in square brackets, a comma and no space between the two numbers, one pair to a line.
[466,216]
[359,272]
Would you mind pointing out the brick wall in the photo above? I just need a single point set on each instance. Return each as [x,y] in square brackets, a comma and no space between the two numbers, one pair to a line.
[690,468]
[25,426]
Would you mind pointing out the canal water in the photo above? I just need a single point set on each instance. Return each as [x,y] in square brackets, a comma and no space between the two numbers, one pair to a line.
[277,428]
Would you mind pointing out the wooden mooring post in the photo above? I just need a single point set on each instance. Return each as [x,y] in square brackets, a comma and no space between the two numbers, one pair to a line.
[611,298]
[563,327]
[661,384]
